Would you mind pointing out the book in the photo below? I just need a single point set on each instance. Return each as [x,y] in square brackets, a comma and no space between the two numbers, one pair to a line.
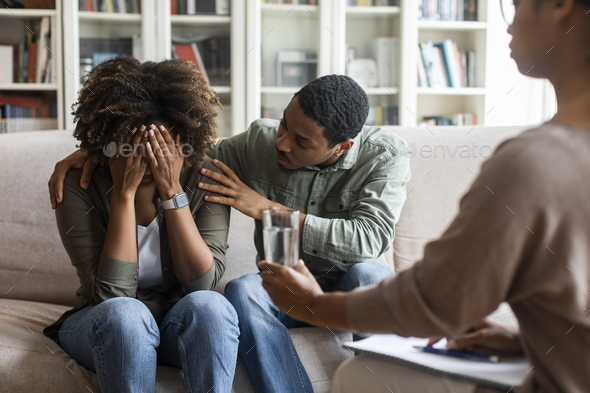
[504,375]
[42,50]
[200,63]
[422,80]
[6,64]
[191,7]
[31,63]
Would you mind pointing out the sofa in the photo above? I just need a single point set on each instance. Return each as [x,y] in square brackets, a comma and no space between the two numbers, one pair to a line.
[37,282]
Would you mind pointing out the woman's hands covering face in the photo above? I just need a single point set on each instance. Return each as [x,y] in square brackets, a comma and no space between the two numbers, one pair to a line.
[128,169]
[165,159]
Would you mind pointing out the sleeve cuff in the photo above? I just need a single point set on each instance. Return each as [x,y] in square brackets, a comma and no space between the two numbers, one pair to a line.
[315,233]
[117,272]
[204,283]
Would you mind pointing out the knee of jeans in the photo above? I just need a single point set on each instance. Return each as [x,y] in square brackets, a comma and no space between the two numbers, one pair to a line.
[367,273]
[127,315]
[244,290]
[208,304]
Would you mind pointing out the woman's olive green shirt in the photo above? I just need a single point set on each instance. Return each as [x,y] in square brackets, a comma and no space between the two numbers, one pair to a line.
[82,219]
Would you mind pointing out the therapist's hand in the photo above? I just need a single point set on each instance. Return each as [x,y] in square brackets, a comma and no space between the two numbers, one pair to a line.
[56,183]
[298,294]
[489,336]
[293,291]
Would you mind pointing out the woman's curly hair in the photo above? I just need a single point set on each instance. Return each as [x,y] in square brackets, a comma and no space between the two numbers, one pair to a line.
[121,93]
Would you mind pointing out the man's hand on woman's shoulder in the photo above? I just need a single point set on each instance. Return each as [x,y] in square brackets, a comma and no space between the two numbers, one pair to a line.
[56,183]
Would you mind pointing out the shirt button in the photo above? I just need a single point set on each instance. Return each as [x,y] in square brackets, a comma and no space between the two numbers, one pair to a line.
[137,269]
[164,241]
[312,203]
[315,252]
[135,277]
[165,269]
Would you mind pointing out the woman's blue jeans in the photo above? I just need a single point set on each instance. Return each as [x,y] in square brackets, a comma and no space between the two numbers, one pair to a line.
[121,342]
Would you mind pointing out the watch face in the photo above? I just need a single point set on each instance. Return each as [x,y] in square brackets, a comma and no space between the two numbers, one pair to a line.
[181,200]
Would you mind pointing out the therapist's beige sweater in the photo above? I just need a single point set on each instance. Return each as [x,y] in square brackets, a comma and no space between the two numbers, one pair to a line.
[522,235]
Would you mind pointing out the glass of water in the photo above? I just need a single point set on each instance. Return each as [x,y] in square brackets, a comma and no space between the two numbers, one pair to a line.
[281,236]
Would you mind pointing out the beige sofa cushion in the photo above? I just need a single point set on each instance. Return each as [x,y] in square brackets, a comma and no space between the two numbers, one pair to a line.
[444,163]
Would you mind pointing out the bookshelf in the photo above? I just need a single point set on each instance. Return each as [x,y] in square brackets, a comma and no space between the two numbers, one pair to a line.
[335,29]
[152,32]
[298,31]
[42,94]
[228,78]
[468,35]
[324,34]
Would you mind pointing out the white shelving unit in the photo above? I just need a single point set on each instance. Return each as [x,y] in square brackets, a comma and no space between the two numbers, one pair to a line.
[259,30]
[214,25]
[11,18]
[332,28]
[417,102]
[156,25]
[272,27]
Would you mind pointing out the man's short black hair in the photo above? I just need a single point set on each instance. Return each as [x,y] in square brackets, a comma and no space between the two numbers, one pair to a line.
[338,104]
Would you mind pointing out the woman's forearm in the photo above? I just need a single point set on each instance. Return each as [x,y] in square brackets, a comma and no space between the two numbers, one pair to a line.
[190,254]
[120,242]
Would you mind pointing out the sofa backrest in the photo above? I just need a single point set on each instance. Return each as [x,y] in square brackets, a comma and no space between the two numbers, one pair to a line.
[34,264]
[444,162]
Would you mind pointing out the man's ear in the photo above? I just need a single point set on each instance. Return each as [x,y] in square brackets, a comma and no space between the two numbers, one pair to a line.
[345,147]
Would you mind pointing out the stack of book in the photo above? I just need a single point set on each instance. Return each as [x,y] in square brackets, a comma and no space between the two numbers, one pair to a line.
[383,115]
[27,113]
[449,10]
[459,119]
[113,6]
[373,3]
[31,59]
[442,65]
[211,57]
[199,7]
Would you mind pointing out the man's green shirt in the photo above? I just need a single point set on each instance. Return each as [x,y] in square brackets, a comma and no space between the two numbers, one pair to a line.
[352,206]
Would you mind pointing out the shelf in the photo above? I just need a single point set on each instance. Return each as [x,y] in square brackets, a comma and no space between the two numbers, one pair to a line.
[25,13]
[451,91]
[373,11]
[29,86]
[288,9]
[109,16]
[200,19]
[279,90]
[221,89]
[381,91]
[451,25]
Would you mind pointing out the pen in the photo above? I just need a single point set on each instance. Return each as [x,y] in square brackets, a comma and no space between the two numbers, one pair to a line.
[459,354]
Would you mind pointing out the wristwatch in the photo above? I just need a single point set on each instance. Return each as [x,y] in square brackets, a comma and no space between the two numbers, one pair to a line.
[178,201]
